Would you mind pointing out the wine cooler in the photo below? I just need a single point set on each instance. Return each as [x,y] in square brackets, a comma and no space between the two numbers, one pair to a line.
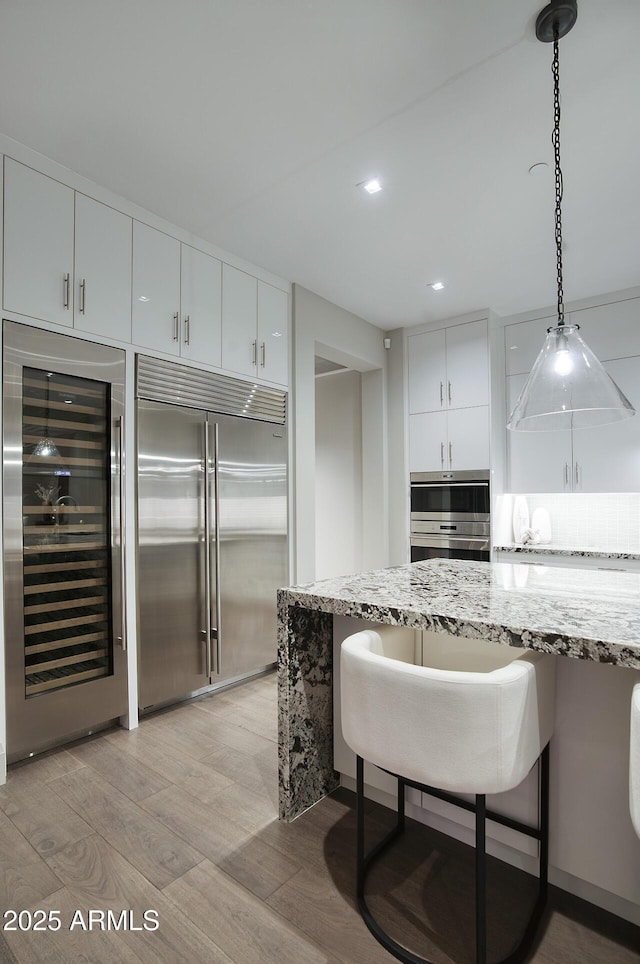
[63,537]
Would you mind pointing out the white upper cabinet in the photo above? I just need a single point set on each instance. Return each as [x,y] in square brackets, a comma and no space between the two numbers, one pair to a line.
[449,368]
[102,291]
[38,245]
[201,306]
[75,261]
[427,371]
[255,327]
[610,331]
[239,321]
[467,365]
[273,333]
[155,313]
[67,258]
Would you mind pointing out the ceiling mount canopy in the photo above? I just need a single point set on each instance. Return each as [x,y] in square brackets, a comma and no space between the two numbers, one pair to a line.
[556,20]
[568,387]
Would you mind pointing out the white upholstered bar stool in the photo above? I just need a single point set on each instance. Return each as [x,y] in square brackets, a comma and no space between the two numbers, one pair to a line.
[475,728]
[634,759]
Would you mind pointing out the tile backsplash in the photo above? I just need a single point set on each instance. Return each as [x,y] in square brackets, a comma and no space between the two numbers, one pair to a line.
[589,520]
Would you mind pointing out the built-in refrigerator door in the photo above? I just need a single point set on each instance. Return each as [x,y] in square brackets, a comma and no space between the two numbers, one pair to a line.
[63,537]
[252,541]
[174,621]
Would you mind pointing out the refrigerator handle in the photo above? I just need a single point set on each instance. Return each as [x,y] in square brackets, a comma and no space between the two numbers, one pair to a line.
[207,550]
[217,631]
[123,575]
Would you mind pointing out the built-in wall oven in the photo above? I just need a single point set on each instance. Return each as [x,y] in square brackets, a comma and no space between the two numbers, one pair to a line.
[450,515]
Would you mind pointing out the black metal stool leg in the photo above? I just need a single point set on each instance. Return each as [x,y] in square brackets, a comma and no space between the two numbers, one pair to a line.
[359,827]
[366,861]
[481,879]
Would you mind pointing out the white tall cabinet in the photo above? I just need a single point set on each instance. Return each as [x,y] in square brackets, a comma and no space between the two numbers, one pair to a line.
[601,459]
[448,383]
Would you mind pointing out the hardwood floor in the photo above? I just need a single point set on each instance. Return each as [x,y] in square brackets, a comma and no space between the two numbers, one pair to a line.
[180,817]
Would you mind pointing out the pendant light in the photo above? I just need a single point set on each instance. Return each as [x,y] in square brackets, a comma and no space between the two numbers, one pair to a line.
[568,387]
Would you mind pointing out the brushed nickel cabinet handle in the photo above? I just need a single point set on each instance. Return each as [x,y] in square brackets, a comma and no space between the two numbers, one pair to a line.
[254,346]
[186,329]
[176,325]
[449,391]
[263,354]
[83,296]
[65,290]
[450,454]
[578,472]
[441,394]
[442,454]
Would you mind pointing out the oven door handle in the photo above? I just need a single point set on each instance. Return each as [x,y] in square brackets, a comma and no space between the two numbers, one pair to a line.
[449,542]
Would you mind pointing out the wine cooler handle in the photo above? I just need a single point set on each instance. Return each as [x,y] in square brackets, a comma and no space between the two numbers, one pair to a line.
[207,550]
[123,575]
[217,545]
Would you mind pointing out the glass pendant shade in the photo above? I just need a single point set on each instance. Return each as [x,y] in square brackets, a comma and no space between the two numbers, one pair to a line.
[568,388]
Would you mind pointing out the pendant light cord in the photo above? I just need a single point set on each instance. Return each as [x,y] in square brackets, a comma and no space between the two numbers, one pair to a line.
[555,139]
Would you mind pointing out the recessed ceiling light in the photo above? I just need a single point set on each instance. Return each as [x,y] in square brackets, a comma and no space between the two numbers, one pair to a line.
[372,186]
[144,298]
[436,285]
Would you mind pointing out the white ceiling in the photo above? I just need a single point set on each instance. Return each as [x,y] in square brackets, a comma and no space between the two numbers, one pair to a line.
[250,122]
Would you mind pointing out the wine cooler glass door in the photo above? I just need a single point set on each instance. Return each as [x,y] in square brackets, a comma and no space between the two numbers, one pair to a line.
[65,637]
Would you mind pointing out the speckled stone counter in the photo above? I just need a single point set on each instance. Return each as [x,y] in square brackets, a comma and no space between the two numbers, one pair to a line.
[583,614]
[577,552]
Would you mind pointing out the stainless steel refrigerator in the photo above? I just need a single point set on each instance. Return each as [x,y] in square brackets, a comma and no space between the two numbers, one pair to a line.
[212,528]
[63,477]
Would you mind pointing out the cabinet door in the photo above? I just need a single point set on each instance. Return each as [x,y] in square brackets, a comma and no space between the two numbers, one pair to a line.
[156,289]
[239,321]
[38,245]
[467,365]
[607,458]
[201,303]
[427,372]
[468,432]
[538,461]
[273,332]
[428,442]
[102,302]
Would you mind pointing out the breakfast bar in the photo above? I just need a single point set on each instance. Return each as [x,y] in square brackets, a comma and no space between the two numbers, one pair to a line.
[588,616]
[576,613]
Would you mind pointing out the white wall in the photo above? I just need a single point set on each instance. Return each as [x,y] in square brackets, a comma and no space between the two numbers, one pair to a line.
[322,328]
[339,503]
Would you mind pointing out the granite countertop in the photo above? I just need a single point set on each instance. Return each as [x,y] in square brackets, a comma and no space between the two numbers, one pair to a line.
[594,552]
[586,614]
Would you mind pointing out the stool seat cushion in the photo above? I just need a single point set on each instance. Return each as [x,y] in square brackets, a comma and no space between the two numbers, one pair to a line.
[466,732]
[634,759]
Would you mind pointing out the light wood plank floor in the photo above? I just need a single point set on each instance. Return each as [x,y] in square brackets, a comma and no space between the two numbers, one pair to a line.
[180,817]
